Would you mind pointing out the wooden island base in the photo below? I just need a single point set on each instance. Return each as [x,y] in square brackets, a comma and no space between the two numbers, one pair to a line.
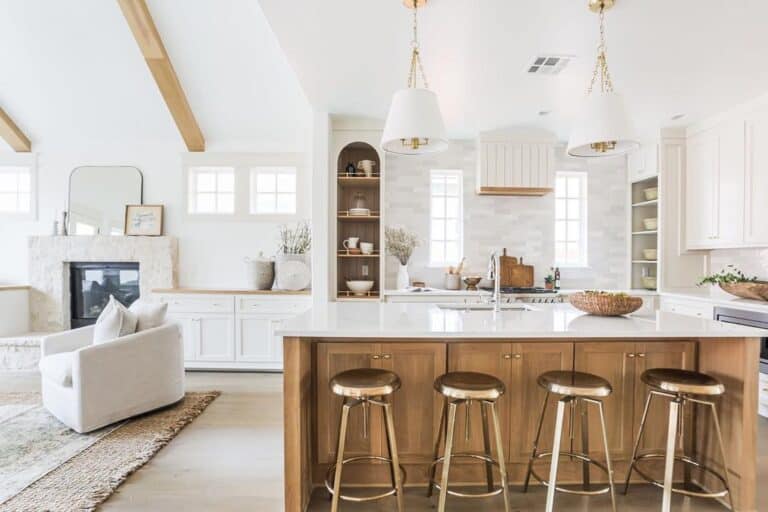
[312,411]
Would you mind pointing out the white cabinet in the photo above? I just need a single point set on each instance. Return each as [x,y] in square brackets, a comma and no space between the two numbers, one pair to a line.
[224,331]
[756,179]
[695,308]
[643,163]
[701,169]
[515,166]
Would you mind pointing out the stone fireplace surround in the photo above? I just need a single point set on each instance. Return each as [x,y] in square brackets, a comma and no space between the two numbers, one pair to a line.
[49,258]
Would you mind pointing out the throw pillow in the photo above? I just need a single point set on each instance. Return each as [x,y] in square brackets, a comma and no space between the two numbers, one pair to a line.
[149,314]
[114,321]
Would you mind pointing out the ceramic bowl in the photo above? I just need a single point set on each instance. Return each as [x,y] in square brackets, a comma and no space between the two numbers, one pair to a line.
[360,287]
[651,224]
[651,193]
[650,254]
[649,283]
[472,282]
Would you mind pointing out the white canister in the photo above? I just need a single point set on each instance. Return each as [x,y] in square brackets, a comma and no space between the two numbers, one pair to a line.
[452,281]
[260,272]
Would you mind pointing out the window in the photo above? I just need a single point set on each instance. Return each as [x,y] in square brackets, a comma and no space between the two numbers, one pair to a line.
[273,190]
[15,190]
[446,230]
[211,190]
[571,219]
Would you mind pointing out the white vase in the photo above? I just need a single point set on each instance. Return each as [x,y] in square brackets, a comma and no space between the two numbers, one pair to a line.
[403,281]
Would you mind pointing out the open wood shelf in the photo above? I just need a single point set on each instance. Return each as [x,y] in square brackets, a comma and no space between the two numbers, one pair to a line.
[645,262]
[342,253]
[359,181]
[646,203]
[644,232]
[346,294]
[346,217]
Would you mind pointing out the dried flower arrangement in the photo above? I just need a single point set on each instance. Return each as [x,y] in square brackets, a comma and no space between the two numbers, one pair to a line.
[295,240]
[400,243]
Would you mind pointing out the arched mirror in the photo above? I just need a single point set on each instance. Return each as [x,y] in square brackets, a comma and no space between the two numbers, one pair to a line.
[98,196]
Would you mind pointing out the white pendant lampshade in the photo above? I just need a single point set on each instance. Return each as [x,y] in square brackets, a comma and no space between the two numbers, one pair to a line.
[414,125]
[602,127]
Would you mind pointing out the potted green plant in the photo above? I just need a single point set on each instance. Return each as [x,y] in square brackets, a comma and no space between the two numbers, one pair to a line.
[734,281]
[549,281]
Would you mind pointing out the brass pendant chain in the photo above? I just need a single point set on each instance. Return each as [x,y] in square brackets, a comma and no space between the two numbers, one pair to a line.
[416,67]
[601,65]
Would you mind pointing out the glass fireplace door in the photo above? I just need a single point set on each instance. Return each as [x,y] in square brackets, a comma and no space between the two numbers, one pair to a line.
[92,283]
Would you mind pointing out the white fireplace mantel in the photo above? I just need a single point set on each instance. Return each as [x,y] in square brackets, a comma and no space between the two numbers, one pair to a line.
[49,258]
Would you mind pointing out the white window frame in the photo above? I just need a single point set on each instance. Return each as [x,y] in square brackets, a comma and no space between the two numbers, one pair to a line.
[434,174]
[276,171]
[28,161]
[583,208]
[242,164]
[193,193]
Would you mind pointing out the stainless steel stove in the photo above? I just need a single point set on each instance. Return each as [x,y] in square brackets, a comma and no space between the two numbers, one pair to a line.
[529,295]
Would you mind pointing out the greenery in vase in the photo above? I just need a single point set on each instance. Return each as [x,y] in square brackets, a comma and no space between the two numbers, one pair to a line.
[728,275]
[400,243]
[295,240]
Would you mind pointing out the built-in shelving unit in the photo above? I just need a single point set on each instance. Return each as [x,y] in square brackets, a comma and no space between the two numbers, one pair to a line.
[644,271]
[352,187]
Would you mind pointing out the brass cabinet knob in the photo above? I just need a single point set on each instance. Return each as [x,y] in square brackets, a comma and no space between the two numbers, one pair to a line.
[387,356]
[630,355]
[375,356]
[518,356]
[507,356]
[641,354]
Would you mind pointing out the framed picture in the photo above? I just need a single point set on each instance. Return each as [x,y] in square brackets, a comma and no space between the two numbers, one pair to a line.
[143,219]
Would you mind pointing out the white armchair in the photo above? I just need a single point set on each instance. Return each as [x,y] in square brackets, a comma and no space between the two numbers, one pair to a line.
[88,386]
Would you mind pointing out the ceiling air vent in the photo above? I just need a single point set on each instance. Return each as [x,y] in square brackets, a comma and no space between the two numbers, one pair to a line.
[548,64]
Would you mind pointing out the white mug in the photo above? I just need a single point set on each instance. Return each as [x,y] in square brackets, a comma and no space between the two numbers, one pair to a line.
[366,166]
[366,247]
[350,243]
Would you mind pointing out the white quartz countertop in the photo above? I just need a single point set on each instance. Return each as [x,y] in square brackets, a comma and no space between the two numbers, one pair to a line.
[716,297]
[409,320]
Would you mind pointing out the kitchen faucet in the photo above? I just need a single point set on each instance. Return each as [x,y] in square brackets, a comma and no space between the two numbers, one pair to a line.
[494,272]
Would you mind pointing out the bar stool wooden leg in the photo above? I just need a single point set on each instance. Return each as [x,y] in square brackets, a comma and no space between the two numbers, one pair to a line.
[560,418]
[535,443]
[440,434]
[637,441]
[608,464]
[340,456]
[486,445]
[500,455]
[584,444]
[669,459]
[447,456]
[394,456]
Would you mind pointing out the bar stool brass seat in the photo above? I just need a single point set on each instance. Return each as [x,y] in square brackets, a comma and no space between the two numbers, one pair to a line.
[363,387]
[462,388]
[575,388]
[680,387]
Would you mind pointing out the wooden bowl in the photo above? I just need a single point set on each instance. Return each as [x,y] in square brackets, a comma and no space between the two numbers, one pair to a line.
[604,304]
[756,290]
[472,282]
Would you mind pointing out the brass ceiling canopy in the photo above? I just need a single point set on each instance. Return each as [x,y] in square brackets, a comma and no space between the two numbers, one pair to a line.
[597,5]
[411,4]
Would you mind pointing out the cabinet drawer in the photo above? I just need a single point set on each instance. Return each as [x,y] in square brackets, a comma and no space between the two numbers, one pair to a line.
[199,303]
[689,308]
[275,305]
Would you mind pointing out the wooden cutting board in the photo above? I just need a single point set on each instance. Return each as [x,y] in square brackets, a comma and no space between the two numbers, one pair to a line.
[513,274]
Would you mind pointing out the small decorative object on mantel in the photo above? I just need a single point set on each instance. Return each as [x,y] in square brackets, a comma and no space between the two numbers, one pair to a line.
[605,303]
[733,281]
[292,263]
[144,220]
[400,244]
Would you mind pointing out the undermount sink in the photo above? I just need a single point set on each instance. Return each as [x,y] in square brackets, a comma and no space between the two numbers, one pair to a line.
[486,307]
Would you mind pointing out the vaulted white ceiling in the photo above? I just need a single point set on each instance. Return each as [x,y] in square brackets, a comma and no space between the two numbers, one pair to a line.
[667,57]
[71,74]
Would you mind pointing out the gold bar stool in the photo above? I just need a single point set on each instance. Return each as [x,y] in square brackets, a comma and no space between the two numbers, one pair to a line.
[575,388]
[462,388]
[363,387]
[680,387]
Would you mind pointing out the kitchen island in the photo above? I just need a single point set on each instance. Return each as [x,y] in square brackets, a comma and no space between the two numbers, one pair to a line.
[419,342]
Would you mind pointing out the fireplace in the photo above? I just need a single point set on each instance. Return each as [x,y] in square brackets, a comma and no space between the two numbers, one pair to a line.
[91,284]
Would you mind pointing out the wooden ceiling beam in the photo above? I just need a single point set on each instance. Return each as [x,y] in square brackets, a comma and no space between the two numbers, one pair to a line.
[151,45]
[13,135]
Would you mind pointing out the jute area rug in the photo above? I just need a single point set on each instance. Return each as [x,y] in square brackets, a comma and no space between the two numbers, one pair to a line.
[45,466]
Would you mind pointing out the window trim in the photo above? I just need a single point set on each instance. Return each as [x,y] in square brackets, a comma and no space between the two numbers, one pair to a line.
[275,170]
[583,220]
[460,217]
[28,160]
[192,190]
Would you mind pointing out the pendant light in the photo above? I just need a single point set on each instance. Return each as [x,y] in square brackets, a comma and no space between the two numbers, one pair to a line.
[602,128]
[414,125]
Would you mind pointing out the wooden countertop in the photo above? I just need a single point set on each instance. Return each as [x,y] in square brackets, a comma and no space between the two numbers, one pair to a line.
[11,287]
[231,291]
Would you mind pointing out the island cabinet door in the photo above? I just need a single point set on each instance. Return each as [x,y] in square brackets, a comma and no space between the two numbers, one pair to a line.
[615,362]
[526,397]
[416,405]
[333,358]
[491,358]
[666,354]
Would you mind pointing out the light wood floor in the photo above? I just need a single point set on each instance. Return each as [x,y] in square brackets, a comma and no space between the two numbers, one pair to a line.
[230,459]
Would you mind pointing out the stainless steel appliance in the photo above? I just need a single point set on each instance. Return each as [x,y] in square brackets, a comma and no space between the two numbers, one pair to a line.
[751,319]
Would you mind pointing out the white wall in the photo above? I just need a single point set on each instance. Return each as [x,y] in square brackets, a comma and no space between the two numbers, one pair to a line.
[524,225]
[210,252]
